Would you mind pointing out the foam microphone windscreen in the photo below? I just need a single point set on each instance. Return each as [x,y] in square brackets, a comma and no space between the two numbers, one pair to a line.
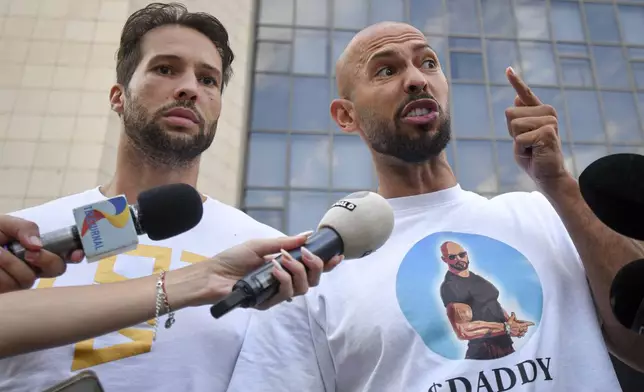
[363,220]
[613,188]
[169,210]
[627,294]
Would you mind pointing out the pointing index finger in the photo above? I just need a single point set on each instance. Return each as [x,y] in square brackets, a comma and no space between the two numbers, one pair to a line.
[524,92]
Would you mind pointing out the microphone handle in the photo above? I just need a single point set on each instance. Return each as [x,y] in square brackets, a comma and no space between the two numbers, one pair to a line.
[260,285]
[60,242]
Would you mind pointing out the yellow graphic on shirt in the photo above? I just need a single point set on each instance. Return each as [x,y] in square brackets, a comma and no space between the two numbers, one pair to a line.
[85,355]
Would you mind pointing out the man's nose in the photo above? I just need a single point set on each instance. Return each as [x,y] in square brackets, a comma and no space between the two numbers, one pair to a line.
[188,89]
[415,82]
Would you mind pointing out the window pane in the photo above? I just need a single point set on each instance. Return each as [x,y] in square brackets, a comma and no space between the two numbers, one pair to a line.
[622,124]
[463,18]
[275,33]
[272,218]
[602,25]
[465,43]
[387,10]
[427,15]
[310,161]
[466,66]
[311,13]
[640,100]
[352,168]
[500,55]
[566,21]
[572,50]
[585,118]
[627,150]
[310,52]
[632,19]
[266,160]
[511,176]
[585,154]
[554,97]
[538,63]
[261,198]
[532,19]
[476,166]
[638,73]
[502,98]
[469,110]
[339,42]
[278,12]
[273,57]
[305,209]
[576,72]
[270,102]
[636,53]
[350,14]
[310,104]
[498,18]
[439,44]
[611,66]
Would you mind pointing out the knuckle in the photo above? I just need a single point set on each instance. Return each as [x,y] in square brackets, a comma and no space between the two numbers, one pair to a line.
[510,113]
[551,110]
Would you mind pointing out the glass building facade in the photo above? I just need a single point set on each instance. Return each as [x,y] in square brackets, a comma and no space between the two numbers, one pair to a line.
[586,58]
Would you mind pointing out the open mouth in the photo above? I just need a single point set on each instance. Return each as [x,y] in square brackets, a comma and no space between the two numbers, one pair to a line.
[421,111]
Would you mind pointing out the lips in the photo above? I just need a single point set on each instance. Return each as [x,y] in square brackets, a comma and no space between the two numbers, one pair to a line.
[419,108]
[182,113]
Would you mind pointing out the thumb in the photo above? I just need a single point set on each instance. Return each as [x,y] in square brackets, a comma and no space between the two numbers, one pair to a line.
[13,228]
[270,246]
[513,317]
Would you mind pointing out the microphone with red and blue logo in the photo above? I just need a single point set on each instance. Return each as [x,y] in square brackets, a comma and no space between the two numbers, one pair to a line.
[110,227]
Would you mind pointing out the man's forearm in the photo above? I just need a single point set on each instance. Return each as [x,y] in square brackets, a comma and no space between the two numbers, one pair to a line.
[45,318]
[602,250]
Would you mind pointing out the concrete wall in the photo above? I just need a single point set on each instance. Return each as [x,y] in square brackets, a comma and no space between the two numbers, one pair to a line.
[57,133]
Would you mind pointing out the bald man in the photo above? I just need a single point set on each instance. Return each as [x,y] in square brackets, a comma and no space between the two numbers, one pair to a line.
[378,323]
[473,308]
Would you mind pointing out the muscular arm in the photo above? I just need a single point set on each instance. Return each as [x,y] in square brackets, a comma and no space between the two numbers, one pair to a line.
[603,252]
[44,318]
[460,316]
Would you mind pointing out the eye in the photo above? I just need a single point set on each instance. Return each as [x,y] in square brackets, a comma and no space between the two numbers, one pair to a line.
[209,81]
[164,70]
[429,63]
[386,71]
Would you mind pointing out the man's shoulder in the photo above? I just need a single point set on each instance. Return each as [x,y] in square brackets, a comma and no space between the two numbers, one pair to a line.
[58,207]
[237,219]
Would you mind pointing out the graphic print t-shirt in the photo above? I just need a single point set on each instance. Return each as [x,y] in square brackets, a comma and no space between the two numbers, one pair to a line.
[482,298]
[197,354]
[380,324]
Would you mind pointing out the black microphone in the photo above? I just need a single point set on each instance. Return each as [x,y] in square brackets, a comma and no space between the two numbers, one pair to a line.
[613,188]
[627,296]
[354,226]
[109,227]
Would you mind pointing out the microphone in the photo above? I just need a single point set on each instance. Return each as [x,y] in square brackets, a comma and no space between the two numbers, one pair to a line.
[627,296]
[354,226]
[110,227]
[613,188]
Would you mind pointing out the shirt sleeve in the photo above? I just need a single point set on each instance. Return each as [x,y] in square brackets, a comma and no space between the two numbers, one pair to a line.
[284,350]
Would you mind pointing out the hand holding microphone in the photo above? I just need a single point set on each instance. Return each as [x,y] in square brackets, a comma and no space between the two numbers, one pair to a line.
[16,274]
[354,227]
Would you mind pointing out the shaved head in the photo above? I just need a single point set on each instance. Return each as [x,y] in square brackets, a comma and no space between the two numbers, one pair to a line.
[347,66]
[393,92]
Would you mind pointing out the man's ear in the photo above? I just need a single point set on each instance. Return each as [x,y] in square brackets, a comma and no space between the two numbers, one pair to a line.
[343,114]
[117,98]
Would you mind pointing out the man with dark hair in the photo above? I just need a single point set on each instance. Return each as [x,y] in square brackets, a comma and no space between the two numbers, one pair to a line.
[172,68]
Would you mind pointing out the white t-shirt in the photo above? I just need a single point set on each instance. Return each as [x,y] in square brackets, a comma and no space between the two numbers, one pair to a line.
[197,354]
[380,324]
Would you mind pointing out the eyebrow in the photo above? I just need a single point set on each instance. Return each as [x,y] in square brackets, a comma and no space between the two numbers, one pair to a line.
[391,52]
[174,57]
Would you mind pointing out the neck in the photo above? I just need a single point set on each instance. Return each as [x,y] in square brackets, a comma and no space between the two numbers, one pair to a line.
[400,179]
[134,174]
[462,274]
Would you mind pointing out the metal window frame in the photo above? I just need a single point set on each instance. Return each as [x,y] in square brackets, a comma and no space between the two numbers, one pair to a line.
[331,132]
